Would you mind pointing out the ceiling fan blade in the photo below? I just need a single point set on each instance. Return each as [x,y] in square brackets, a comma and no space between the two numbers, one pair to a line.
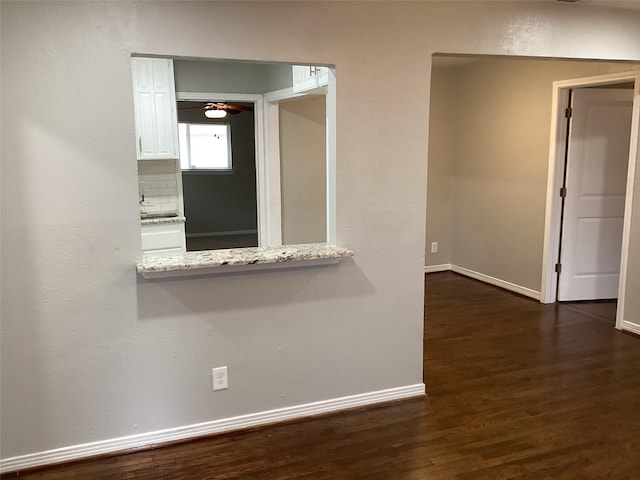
[230,108]
[199,107]
[239,108]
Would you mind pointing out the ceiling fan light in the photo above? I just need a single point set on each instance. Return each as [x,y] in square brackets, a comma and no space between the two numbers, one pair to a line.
[213,113]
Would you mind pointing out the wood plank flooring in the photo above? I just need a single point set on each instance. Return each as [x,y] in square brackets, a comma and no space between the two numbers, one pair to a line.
[517,390]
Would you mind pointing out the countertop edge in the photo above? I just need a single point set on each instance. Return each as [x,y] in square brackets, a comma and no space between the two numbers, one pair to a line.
[239,259]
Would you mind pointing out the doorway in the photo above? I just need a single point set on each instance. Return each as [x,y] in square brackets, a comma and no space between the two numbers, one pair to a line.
[594,192]
[218,164]
[560,243]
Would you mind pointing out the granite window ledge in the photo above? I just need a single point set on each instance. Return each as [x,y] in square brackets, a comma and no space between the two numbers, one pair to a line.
[209,262]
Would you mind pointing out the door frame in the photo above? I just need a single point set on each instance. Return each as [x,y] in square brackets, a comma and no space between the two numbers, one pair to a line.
[272,152]
[262,184]
[557,150]
[271,106]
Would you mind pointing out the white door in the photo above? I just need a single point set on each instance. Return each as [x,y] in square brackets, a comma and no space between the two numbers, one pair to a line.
[597,161]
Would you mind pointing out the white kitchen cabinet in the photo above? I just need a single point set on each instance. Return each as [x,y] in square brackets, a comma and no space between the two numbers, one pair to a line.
[322,73]
[154,101]
[163,238]
[309,77]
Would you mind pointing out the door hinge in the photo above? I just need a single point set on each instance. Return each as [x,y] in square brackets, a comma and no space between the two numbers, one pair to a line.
[558,267]
[568,112]
[563,192]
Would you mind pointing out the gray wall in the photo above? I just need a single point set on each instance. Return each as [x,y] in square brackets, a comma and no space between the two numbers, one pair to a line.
[303,160]
[231,77]
[90,351]
[442,131]
[223,202]
[491,158]
[632,303]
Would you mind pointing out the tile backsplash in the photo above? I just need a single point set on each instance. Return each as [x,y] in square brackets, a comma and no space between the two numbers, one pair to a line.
[158,185]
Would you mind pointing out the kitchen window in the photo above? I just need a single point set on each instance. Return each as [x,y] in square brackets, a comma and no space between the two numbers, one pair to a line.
[205,146]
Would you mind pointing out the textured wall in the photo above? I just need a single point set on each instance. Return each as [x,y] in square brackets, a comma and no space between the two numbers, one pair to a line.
[89,350]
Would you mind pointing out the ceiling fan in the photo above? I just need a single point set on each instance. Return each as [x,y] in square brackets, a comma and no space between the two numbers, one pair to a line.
[218,109]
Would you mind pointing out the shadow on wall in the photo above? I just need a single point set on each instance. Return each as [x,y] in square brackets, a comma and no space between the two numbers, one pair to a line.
[165,298]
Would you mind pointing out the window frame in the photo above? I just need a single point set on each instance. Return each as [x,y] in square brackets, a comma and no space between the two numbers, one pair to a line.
[196,170]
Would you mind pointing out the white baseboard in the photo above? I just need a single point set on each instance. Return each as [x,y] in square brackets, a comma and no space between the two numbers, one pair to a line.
[221,234]
[207,428]
[527,292]
[445,267]
[631,327]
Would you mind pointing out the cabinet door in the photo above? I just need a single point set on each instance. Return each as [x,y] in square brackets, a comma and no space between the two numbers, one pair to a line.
[323,75]
[155,108]
[304,78]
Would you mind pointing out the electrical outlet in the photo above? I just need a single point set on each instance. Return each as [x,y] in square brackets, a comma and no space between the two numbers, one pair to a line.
[434,247]
[220,378]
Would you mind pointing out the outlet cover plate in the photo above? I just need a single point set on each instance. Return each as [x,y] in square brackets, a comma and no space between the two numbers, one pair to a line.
[220,378]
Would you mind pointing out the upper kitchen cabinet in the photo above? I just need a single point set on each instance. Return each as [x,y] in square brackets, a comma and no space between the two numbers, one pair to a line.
[309,77]
[154,101]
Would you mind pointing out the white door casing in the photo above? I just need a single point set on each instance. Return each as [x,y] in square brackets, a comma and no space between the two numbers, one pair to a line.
[598,154]
[272,152]
[557,142]
[262,186]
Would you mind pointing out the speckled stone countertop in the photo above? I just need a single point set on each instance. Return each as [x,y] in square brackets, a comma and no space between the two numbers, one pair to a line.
[237,259]
[162,220]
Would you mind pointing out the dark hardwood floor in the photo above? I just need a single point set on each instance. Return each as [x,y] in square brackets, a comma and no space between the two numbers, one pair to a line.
[517,390]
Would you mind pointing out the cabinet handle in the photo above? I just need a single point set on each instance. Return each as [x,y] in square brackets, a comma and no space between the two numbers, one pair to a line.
[140,143]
